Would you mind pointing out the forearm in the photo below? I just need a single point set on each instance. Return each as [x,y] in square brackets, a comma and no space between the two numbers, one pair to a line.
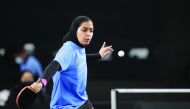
[49,71]
[93,56]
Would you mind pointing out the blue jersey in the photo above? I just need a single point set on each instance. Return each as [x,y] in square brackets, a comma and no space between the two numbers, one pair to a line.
[33,65]
[69,89]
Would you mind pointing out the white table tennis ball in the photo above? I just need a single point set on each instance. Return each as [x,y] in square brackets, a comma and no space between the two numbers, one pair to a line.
[121,53]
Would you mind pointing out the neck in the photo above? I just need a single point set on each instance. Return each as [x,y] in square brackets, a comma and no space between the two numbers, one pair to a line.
[78,43]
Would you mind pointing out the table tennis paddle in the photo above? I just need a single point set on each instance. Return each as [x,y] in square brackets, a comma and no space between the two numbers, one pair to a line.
[25,97]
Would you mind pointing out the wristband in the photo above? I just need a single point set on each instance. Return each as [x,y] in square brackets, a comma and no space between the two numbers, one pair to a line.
[44,82]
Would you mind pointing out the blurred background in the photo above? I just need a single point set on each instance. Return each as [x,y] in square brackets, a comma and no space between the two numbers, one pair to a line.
[153,34]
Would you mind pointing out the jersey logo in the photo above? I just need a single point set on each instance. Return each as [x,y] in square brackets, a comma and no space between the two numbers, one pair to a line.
[80,61]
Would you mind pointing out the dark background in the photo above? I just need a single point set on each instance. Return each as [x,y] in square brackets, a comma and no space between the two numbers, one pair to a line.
[162,26]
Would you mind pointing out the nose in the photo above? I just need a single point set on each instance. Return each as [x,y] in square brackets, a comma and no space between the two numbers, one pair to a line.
[88,33]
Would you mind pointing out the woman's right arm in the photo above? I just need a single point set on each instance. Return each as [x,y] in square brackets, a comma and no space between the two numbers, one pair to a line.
[49,71]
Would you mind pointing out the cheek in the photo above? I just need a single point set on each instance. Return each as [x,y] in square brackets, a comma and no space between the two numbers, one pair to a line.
[80,38]
[91,36]
[79,35]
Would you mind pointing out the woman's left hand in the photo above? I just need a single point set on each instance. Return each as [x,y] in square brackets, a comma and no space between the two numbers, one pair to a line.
[104,51]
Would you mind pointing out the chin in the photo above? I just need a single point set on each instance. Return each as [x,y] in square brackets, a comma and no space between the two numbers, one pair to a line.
[86,43]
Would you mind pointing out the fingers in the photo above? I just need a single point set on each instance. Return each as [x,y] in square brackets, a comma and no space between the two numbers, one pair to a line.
[104,44]
[36,87]
[106,53]
[32,89]
[109,48]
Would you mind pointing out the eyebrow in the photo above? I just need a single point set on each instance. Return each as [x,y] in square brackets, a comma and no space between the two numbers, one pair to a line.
[87,28]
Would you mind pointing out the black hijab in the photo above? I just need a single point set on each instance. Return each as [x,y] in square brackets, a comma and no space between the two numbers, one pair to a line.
[71,35]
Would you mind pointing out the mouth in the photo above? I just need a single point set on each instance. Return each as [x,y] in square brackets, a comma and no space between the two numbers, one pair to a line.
[87,41]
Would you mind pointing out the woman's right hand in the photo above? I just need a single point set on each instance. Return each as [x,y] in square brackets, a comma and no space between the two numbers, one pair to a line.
[36,87]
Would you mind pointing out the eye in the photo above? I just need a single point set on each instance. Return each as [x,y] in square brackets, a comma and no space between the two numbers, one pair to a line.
[91,30]
[84,29]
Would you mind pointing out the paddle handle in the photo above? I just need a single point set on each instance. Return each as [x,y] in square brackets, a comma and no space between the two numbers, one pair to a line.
[39,80]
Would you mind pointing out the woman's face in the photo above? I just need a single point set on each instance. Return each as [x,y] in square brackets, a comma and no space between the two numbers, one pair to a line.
[85,32]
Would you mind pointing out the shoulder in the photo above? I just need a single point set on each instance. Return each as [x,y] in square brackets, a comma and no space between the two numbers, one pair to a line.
[66,50]
[66,47]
